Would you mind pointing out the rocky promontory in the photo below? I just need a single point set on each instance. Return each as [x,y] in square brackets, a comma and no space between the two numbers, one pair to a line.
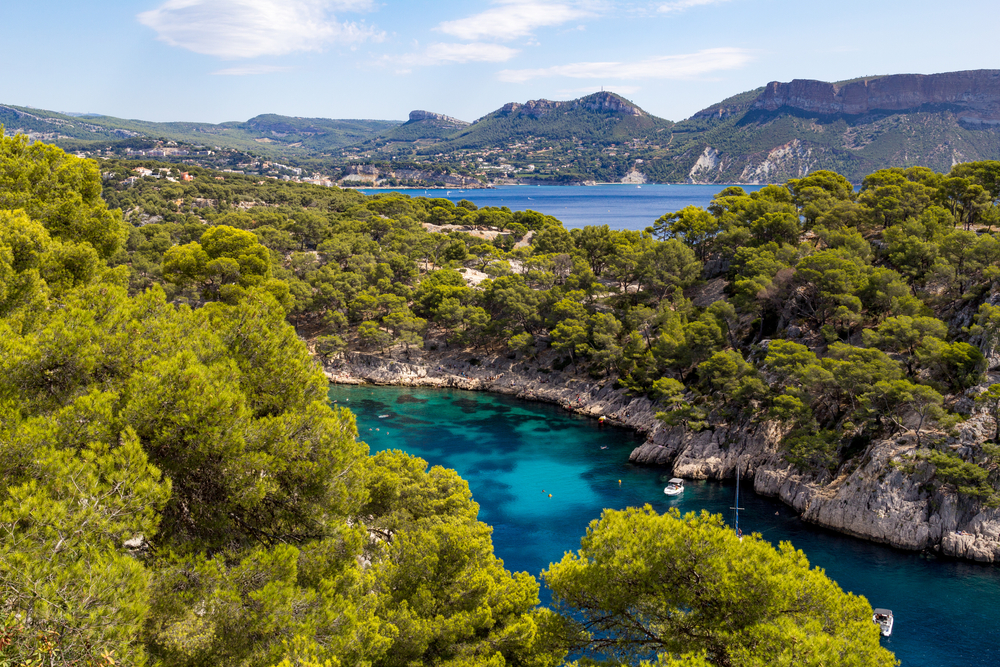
[419,115]
[875,500]
[974,94]
[602,101]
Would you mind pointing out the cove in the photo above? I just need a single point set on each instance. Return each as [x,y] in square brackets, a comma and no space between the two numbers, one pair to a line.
[617,205]
[514,453]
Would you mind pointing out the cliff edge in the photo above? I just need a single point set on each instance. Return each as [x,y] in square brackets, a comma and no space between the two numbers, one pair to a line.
[974,95]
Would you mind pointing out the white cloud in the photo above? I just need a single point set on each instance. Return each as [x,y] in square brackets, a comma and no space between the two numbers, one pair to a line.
[682,66]
[465,53]
[512,19]
[681,5]
[250,28]
[250,70]
[444,54]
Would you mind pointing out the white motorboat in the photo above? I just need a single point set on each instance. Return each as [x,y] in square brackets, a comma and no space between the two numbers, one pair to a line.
[675,487]
[883,619]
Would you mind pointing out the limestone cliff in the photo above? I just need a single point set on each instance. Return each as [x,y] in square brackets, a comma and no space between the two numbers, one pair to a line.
[973,95]
[787,129]
[875,500]
[418,115]
[602,101]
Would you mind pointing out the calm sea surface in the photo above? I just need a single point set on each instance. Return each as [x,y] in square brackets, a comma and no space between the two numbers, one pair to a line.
[618,206]
[514,453]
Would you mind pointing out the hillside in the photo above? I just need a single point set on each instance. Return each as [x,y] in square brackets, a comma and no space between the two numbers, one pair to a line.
[600,119]
[597,137]
[267,135]
[766,135]
[785,130]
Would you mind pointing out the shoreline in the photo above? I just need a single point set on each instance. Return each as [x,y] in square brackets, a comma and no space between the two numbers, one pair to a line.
[588,184]
[875,501]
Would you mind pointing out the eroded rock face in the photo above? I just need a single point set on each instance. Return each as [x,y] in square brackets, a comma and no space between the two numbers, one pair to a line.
[874,501]
[976,93]
[419,115]
[602,101]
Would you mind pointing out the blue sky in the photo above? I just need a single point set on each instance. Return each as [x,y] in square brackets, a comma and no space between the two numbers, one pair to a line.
[224,60]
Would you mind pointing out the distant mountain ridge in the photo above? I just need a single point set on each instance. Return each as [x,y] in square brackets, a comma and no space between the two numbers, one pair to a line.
[417,116]
[602,101]
[268,134]
[778,131]
[785,130]
[975,95]
[601,118]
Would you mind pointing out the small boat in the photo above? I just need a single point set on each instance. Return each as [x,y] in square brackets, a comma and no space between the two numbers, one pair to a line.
[883,619]
[382,416]
[675,487]
[600,420]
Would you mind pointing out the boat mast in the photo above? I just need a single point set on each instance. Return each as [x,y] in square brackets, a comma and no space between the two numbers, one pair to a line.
[737,508]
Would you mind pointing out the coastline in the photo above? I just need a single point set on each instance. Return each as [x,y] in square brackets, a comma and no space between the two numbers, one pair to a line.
[875,501]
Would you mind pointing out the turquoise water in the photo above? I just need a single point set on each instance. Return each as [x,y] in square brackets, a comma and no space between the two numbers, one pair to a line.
[618,206]
[515,453]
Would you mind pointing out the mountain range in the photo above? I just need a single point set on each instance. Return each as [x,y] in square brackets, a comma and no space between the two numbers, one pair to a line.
[770,134]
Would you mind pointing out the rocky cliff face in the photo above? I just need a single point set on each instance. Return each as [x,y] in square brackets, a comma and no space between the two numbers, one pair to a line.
[874,501]
[975,94]
[418,115]
[787,129]
[602,101]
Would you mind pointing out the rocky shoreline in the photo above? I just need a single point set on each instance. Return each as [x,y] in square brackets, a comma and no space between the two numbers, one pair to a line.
[874,500]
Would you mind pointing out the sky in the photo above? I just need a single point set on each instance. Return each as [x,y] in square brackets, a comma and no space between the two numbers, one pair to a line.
[229,60]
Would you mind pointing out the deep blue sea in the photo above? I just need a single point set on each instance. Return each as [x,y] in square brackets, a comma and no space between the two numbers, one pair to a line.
[515,453]
[616,205]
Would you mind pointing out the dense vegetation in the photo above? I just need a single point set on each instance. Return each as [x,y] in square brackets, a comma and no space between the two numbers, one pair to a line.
[177,491]
[848,316]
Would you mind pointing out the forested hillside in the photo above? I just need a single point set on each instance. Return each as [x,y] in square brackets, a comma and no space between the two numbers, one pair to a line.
[267,135]
[845,316]
[177,491]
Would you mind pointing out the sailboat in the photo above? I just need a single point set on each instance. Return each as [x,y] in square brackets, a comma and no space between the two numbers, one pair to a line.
[736,509]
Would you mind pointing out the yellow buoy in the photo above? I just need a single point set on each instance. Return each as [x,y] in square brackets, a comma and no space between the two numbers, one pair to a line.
[550,495]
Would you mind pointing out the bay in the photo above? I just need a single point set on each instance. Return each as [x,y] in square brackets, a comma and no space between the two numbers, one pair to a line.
[617,205]
[514,453]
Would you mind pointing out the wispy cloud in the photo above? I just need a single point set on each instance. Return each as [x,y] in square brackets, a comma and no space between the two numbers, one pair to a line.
[250,70]
[682,66]
[513,19]
[448,54]
[251,28]
[681,5]
[465,53]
